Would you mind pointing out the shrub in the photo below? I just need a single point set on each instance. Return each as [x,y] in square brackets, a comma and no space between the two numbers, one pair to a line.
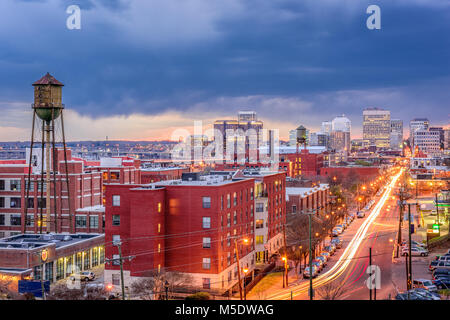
[199,296]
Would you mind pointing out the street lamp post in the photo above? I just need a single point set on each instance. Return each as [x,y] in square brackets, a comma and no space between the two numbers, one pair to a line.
[239,264]
[245,291]
[166,286]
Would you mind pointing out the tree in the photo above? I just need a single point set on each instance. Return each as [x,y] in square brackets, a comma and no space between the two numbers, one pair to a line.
[8,290]
[152,285]
[331,290]
[62,292]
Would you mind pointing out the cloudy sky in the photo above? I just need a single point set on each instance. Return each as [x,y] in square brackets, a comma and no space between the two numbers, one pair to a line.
[139,69]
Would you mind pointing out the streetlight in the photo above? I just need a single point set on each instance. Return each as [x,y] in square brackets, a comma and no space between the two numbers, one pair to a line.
[245,291]
[285,271]
[245,241]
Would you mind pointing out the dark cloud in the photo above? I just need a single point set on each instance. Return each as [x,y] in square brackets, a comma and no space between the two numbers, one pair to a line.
[154,56]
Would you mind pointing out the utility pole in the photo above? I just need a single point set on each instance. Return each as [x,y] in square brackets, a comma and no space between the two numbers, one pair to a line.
[238,267]
[370,264]
[410,257]
[119,246]
[437,207]
[285,252]
[311,290]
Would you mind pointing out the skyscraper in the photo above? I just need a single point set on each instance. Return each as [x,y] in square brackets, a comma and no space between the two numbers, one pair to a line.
[417,124]
[340,134]
[376,127]
[396,133]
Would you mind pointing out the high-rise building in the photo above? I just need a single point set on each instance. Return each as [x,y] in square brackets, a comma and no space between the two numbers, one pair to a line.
[319,139]
[416,124]
[441,135]
[247,120]
[427,141]
[247,116]
[396,134]
[447,139]
[340,134]
[326,127]
[377,127]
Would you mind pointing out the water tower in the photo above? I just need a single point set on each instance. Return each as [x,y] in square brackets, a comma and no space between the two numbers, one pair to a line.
[47,117]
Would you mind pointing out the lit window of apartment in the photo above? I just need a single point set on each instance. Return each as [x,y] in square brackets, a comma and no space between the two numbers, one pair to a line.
[159,206]
[159,247]
[116,201]
[235,199]
[15,203]
[115,175]
[259,239]
[235,218]
[206,283]
[14,185]
[228,201]
[159,227]
[259,224]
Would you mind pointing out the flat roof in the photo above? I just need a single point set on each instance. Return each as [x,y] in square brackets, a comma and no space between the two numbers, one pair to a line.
[31,241]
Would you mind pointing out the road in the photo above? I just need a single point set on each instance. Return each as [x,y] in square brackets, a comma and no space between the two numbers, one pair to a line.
[376,230]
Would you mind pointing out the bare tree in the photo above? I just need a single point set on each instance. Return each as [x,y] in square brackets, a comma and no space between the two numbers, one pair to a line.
[62,292]
[152,285]
[331,290]
[8,290]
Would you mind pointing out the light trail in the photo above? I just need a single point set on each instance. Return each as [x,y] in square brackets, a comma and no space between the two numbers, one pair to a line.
[341,265]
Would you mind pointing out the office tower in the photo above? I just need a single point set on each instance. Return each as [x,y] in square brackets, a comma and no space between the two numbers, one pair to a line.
[416,124]
[396,134]
[376,127]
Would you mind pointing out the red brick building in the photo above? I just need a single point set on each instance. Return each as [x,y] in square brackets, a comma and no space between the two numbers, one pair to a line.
[85,192]
[150,175]
[364,173]
[190,225]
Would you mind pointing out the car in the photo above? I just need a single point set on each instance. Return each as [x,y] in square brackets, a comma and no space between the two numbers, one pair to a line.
[444,258]
[415,252]
[342,226]
[318,264]
[425,284]
[405,296]
[83,276]
[306,273]
[440,272]
[339,230]
[326,255]
[323,259]
[337,242]
[360,214]
[333,246]
[433,265]
[335,233]
[425,293]
[414,244]
[443,264]
[352,216]
[442,283]
[329,249]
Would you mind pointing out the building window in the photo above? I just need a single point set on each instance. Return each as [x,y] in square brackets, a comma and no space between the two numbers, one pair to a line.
[206,243]
[60,269]
[206,263]
[15,203]
[206,283]
[259,239]
[116,260]
[30,220]
[159,227]
[80,221]
[14,185]
[206,201]
[42,203]
[206,222]
[228,201]
[159,247]
[235,218]
[30,202]
[16,220]
[2,219]
[235,199]
[78,261]
[116,238]
[86,260]
[116,279]
[93,222]
[116,219]
[2,202]
[2,185]
[159,206]
[116,201]
[259,224]
[115,175]
[94,257]
[228,219]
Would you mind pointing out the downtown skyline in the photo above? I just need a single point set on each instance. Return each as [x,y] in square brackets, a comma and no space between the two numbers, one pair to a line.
[210,60]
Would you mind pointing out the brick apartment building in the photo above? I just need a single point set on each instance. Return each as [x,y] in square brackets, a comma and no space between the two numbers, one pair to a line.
[155,174]
[302,200]
[85,193]
[190,225]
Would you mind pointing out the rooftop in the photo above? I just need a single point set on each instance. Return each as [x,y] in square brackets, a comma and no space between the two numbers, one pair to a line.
[31,241]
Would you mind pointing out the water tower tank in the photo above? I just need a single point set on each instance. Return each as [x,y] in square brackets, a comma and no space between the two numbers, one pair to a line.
[48,98]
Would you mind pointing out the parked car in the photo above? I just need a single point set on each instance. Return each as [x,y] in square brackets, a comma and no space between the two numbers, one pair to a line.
[326,255]
[335,233]
[444,258]
[415,251]
[414,244]
[337,242]
[443,264]
[342,226]
[425,293]
[425,284]
[442,283]
[318,264]
[323,259]
[433,265]
[83,276]
[351,216]
[361,214]
[338,229]
[307,274]
[329,249]
[440,272]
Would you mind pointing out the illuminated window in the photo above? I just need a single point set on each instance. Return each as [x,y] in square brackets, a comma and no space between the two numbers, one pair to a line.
[159,227]
[206,263]
[159,206]
[259,239]
[116,200]
[159,247]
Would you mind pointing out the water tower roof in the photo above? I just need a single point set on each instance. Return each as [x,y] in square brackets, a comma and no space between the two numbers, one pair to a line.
[48,79]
